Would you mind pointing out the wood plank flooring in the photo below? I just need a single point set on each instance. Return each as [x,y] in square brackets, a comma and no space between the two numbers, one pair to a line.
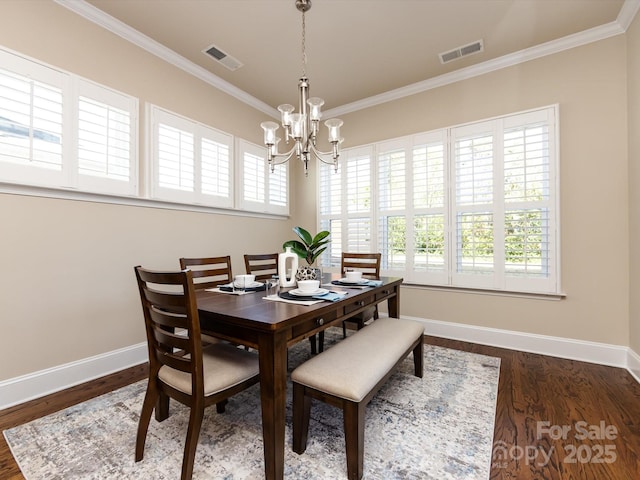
[556,419]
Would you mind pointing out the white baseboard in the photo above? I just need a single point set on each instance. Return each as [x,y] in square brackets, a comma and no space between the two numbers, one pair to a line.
[38,384]
[633,364]
[582,350]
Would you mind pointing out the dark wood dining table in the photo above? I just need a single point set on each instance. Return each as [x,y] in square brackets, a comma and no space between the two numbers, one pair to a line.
[271,327]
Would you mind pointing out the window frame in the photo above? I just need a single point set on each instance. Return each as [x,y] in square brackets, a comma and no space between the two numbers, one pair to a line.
[157,116]
[18,177]
[250,151]
[547,283]
[72,87]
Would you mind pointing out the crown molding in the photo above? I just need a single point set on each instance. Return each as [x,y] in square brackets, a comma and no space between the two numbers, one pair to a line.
[625,17]
[627,13]
[123,30]
[571,41]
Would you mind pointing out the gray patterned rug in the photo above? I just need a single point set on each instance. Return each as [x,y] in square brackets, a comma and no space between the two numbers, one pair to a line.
[438,427]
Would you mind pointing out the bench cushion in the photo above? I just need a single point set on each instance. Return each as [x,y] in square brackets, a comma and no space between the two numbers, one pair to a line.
[351,368]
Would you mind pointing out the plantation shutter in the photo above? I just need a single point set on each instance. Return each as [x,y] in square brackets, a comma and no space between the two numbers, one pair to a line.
[429,226]
[330,209]
[31,122]
[215,167]
[473,206]
[262,190]
[191,161]
[107,135]
[473,213]
[529,212]
[393,197]
[357,231]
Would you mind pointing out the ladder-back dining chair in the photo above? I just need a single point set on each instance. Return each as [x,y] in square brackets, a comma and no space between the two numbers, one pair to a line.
[179,366]
[369,265]
[208,272]
[263,265]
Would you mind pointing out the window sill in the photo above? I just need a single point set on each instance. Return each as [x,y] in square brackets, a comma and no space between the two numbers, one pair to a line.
[479,291]
[64,194]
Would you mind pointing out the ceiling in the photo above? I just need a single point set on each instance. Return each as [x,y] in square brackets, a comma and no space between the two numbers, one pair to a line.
[356,49]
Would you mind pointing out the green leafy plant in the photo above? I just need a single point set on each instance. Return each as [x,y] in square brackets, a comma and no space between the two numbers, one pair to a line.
[308,247]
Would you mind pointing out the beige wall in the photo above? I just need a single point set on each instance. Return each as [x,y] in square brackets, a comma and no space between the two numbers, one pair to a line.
[589,84]
[633,82]
[67,288]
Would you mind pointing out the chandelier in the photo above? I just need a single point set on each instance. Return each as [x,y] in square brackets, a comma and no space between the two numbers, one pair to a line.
[303,127]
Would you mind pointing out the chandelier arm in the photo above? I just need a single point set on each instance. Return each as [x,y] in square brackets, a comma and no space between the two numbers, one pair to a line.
[286,156]
[321,155]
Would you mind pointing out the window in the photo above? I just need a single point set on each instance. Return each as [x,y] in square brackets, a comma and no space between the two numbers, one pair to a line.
[472,206]
[61,131]
[64,136]
[345,204]
[191,162]
[262,190]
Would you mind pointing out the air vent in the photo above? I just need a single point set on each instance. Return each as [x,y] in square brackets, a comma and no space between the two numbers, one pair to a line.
[463,51]
[221,57]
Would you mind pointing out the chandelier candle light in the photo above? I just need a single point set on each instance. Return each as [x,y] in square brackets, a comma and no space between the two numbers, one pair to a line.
[302,127]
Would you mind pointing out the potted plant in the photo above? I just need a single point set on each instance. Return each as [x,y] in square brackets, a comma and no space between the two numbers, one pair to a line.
[308,248]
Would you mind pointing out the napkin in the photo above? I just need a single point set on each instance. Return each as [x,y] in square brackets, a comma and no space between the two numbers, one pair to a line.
[331,296]
[298,301]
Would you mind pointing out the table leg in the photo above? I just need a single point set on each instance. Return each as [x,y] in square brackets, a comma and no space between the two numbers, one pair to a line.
[393,304]
[272,352]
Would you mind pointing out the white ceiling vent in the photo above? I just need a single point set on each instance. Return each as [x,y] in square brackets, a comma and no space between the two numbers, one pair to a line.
[221,57]
[470,49]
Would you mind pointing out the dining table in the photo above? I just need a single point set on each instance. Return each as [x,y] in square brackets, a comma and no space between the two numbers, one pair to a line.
[271,326]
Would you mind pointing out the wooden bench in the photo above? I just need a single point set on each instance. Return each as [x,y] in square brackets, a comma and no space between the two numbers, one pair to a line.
[348,375]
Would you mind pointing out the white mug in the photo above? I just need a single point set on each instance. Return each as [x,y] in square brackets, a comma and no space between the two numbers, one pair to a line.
[244,281]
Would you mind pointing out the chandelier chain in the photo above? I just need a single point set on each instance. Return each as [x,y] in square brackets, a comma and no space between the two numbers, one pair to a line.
[304,47]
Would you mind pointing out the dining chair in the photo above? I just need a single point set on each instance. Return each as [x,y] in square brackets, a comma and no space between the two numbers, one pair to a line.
[369,265]
[263,265]
[208,272]
[179,366]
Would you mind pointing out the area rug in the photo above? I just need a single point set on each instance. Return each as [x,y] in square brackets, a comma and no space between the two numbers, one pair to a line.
[438,427]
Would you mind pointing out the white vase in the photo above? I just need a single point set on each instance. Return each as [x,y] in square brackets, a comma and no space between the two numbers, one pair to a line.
[287,261]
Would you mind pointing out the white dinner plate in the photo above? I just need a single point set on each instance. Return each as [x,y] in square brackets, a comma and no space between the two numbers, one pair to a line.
[251,285]
[304,293]
[354,282]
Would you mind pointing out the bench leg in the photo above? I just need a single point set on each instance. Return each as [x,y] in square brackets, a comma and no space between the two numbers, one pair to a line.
[301,413]
[418,359]
[354,438]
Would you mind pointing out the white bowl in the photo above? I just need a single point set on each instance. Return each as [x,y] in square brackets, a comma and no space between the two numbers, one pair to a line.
[353,276]
[308,285]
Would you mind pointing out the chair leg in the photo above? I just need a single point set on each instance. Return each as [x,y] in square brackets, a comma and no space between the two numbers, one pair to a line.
[301,413]
[312,341]
[220,406]
[150,398]
[344,329]
[353,413]
[162,407]
[321,341]
[418,359]
[191,443]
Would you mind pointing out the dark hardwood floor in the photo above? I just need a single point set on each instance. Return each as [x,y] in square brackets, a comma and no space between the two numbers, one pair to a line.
[556,419]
